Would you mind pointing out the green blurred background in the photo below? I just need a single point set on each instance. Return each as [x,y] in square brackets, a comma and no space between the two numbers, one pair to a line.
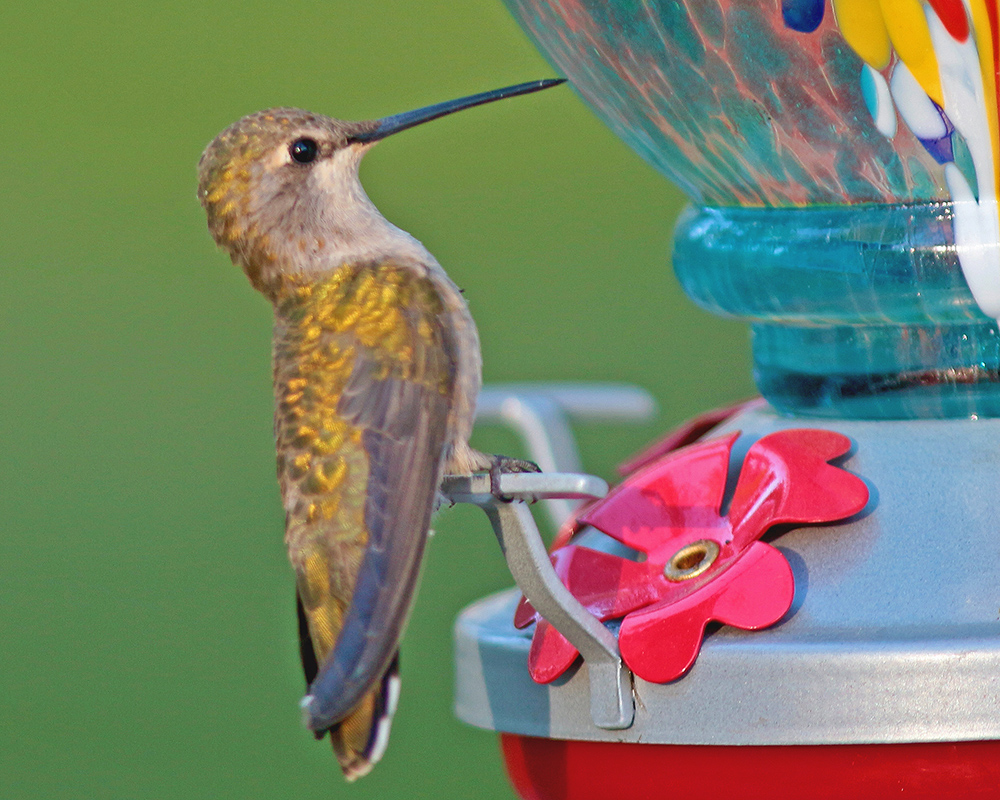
[146,609]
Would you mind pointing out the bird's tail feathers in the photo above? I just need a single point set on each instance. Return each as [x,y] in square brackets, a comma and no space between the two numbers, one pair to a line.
[360,739]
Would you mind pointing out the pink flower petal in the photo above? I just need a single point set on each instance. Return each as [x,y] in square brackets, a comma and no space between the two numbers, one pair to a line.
[658,646]
[551,653]
[681,493]
[759,591]
[609,586]
[786,479]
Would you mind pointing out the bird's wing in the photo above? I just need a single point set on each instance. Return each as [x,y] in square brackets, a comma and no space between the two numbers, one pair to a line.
[364,375]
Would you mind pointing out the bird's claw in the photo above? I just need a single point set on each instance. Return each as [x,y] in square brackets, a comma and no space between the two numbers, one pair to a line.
[501,464]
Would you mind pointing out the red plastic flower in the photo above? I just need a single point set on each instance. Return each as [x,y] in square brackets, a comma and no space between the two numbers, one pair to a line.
[700,565]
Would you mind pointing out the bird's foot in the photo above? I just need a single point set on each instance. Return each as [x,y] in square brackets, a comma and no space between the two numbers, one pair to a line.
[501,464]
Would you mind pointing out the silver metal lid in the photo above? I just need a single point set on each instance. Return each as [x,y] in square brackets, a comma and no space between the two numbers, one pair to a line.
[894,634]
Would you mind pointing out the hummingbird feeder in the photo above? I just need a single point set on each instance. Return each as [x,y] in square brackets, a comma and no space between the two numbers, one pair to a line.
[799,597]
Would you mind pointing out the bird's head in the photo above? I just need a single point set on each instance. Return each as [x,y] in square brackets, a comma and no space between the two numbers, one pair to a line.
[281,186]
[282,194]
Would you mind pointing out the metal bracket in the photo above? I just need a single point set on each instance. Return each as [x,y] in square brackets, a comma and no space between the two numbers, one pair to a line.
[611,703]
[541,413]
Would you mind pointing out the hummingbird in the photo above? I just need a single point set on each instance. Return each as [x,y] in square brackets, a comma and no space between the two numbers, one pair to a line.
[376,366]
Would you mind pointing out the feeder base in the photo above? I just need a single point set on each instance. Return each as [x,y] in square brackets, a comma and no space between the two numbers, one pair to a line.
[559,769]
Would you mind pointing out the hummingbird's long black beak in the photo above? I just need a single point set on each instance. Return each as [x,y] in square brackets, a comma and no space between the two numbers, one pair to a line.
[400,122]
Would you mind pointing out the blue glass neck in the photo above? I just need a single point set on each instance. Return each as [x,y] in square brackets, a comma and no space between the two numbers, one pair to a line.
[856,311]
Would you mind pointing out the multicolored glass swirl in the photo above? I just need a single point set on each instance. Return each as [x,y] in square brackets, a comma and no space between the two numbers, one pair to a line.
[876,117]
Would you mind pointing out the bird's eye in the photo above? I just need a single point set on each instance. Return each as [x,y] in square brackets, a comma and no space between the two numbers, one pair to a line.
[303,150]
